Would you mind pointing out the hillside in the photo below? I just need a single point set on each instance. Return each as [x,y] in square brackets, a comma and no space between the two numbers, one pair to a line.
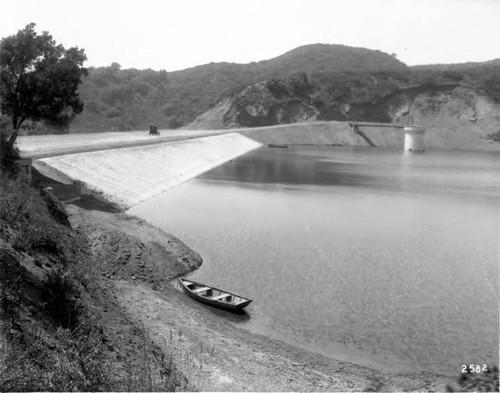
[312,82]
[459,103]
[298,98]
[121,100]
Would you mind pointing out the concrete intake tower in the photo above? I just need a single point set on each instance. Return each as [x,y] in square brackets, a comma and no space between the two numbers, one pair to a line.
[414,138]
[414,135]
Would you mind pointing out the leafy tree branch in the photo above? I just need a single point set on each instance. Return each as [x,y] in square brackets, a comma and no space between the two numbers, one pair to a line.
[39,80]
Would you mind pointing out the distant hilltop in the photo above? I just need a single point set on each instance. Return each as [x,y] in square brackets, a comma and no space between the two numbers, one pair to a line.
[311,59]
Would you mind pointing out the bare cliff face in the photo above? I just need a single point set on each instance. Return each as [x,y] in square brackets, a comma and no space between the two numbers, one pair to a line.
[461,117]
[457,116]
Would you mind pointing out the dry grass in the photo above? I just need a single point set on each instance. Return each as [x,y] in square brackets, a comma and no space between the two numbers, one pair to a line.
[194,365]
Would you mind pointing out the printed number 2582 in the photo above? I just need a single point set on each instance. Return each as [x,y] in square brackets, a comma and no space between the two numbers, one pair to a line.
[474,368]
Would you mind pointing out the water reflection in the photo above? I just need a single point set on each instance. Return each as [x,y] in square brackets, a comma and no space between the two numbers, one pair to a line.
[389,169]
[289,167]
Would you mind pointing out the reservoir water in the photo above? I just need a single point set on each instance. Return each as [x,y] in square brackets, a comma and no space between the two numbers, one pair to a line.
[375,256]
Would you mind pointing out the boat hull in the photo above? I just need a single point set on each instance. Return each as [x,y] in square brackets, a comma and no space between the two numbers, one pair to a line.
[228,306]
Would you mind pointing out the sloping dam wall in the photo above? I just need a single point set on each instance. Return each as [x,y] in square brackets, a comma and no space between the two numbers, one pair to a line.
[128,176]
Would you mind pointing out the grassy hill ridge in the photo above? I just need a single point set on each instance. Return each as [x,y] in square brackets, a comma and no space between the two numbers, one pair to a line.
[120,100]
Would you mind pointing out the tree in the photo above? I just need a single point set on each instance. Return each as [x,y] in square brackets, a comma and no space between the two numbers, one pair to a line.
[39,80]
[299,83]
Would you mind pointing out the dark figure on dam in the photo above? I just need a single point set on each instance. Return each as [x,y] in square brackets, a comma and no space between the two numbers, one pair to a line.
[153,130]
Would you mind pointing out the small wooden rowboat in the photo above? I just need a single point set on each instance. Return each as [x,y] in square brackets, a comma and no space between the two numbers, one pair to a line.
[214,296]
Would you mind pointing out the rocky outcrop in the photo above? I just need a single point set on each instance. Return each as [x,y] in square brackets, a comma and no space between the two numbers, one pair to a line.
[256,106]
[259,105]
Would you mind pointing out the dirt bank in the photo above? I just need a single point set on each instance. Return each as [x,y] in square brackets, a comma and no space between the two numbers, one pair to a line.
[138,262]
[128,248]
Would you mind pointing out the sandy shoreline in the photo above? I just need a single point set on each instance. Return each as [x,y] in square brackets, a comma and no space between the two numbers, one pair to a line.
[140,262]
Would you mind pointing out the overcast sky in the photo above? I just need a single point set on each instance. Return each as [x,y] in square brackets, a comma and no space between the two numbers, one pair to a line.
[177,34]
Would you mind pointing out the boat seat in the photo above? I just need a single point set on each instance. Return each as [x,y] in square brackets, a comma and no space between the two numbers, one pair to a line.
[220,297]
[202,289]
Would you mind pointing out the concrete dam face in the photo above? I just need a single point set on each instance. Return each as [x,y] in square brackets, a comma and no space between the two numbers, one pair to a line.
[128,176]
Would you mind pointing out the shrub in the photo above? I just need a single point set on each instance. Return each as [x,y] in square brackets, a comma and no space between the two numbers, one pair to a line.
[61,299]
[277,87]
[33,235]
[8,155]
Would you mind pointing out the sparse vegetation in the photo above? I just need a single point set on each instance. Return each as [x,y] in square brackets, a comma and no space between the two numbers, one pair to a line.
[484,76]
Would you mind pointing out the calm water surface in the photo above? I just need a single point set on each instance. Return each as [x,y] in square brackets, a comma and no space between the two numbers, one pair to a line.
[368,255]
